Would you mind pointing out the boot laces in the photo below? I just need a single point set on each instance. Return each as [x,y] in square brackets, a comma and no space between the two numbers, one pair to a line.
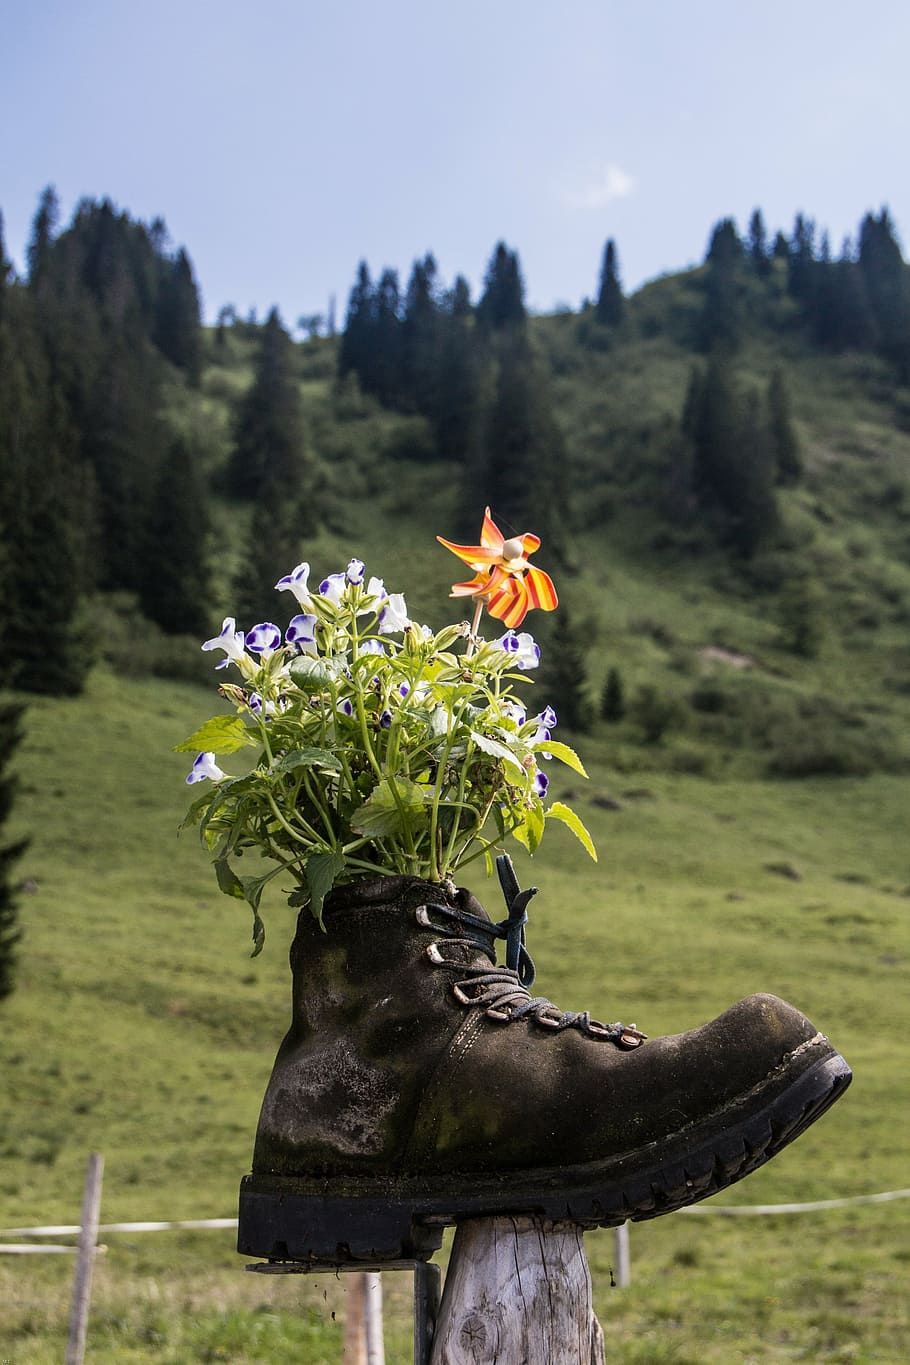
[503,992]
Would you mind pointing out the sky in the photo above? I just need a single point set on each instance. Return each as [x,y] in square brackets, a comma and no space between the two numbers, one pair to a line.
[286,140]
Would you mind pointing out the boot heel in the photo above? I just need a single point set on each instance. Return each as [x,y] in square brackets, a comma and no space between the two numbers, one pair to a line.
[280,1223]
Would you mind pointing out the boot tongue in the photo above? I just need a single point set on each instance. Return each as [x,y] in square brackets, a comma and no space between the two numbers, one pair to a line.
[466,901]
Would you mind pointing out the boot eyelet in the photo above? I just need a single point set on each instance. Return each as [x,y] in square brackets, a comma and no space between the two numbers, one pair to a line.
[552,1021]
[435,955]
[460,996]
[629,1039]
[501,1016]
[422,917]
[599,1030]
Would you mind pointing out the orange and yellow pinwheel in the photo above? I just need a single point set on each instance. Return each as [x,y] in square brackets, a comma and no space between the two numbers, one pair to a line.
[503,577]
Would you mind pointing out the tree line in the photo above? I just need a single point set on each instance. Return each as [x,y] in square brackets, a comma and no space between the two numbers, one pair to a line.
[91,484]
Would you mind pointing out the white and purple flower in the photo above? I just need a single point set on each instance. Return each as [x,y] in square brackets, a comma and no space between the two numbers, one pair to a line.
[231,641]
[264,639]
[354,572]
[372,647]
[513,710]
[540,784]
[525,654]
[345,707]
[545,722]
[301,632]
[264,709]
[204,769]
[296,583]
[333,587]
[385,720]
[394,615]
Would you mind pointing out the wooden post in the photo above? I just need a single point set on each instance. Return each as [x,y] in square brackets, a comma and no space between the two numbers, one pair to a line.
[85,1261]
[373,1319]
[355,1319]
[427,1288]
[623,1258]
[518,1292]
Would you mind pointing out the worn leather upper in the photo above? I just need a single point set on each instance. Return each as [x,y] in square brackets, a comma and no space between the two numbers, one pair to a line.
[383,1070]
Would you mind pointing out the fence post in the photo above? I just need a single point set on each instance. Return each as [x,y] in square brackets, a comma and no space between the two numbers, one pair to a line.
[373,1319]
[355,1319]
[85,1260]
[518,1291]
[623,1256]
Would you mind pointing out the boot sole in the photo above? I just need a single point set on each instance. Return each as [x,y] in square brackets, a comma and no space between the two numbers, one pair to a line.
[357,1221]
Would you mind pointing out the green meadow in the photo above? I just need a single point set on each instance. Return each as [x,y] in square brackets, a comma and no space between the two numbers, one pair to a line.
[141,1028]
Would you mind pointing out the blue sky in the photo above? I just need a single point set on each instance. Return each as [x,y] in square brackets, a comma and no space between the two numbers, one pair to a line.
[284,141]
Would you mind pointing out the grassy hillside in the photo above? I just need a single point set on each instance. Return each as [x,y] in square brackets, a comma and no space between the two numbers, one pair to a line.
[141,1028]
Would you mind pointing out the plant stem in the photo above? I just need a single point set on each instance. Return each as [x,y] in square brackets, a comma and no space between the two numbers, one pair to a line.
[475,626]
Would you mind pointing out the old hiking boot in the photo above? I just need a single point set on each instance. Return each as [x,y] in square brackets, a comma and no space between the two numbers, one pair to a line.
[420,1084]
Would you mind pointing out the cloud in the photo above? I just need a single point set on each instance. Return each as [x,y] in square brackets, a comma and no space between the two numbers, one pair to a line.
[610,184]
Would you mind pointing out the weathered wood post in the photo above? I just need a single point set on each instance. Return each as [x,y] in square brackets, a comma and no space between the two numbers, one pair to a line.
[355,1320]
[85,1261]
[363,1339]
[517,1292]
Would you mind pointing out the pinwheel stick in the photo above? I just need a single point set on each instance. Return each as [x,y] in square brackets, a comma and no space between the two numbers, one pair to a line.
[475,627]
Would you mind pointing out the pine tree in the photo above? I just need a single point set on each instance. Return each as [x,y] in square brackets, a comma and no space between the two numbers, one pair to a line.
[124,440]
[358,338]
[564,673]
[44,226]
[843,316]
[456,400]
[274,544]
[269,444]
[721,322]
[175,588]
[10,737]
[788,462]
[757,246]
[610,308]
[45,515]
[421,338]
[733,461]
[6,271]
[887,282]
[177,323]
[502,302]
[613,702]
[801,262]
[750,501]
[521,458]
[384,370]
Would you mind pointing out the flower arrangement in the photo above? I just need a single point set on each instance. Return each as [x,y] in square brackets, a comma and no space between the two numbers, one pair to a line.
[383,747]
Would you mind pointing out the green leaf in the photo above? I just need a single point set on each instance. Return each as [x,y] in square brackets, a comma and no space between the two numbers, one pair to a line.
[535,821]
[194,813]
[227,878]
[247,889]
[520,832]
[496,750]
[307,758]
[564,813]
[321,870]
[530,831]
[220,735]
[561,751]
[382,814]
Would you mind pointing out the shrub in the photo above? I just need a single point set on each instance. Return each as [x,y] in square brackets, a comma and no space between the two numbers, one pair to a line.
[654,713]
